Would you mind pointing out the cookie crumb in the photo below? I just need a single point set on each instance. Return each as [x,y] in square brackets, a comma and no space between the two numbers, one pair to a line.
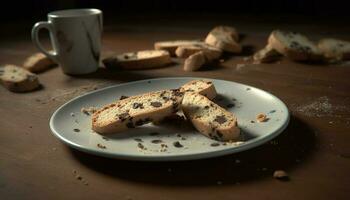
[101,146]
[281,175]
[230,105]
[215,144]
[76,130]
[157,141]
[261,117]
[139,145]
[177,144]
[79,177]
[88,111]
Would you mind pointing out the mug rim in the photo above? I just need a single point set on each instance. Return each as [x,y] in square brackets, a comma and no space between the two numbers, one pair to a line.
[69,13]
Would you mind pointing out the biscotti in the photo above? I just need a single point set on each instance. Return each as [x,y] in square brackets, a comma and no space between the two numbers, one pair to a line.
[38,62]
[188,50]
[138,60]
[203,87]
[266,55]
[224,38]
[335,49]
[294,45]
[136,111]
[17,79]
[209,118]
[171,46]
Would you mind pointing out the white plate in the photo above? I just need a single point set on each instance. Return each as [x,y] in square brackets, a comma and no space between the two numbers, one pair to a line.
[248,101]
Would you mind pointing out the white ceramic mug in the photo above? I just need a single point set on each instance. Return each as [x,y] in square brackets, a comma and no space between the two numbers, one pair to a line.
[75,37]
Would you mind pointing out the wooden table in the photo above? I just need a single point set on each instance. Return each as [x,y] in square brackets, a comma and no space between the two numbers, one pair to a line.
[314,150]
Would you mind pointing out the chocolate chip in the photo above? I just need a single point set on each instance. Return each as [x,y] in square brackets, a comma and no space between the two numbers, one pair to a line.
[209,82]
[206,107]
[138,140]
[165,99]
[105,138]
[123,116]
[177,92]
[156,104]
[156,141]
[220,119]
[137,105]
[162,93]
[177,144]
[139,145]
[130,125]
[126,57]
[123,97]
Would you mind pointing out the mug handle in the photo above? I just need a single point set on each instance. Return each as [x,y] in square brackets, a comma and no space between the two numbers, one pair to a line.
[35,38]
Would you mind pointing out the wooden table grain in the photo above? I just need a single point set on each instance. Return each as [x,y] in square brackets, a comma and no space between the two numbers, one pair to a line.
[314,150]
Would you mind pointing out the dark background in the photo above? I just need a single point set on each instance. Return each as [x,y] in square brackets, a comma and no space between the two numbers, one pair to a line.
[37,9]
[18,17]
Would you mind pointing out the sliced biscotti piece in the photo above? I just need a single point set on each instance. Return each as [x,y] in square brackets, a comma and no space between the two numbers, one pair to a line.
[195,61]
[17,79]
[266,55]
[188,50]
[203,87]
[335,49]
[294,45]
[208,118]
[138,60]
[171,46]
[136,111]
[224,38]
[38,62]
[199,59]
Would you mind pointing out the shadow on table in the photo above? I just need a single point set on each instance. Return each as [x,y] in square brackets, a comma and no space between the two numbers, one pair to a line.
[290,150]
[121,74]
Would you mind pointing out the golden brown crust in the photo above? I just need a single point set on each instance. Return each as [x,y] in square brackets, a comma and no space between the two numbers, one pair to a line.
[138,60]
[17,79]
[38,62]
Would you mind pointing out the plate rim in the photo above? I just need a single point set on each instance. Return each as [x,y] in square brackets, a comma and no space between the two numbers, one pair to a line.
[164,158]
